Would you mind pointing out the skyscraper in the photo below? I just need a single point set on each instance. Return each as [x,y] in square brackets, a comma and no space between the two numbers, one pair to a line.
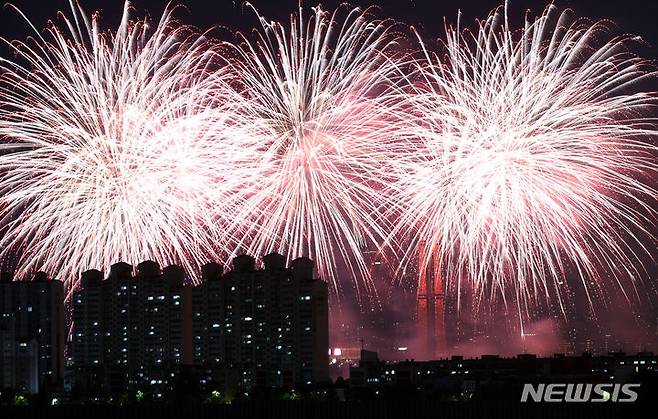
[261,327]
[430,307]
[208,318]
[249,327]
[131,330]
[87,337]
[32,332]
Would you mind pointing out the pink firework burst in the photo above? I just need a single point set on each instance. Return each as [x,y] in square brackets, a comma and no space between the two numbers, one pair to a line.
[318,113]
[530,157]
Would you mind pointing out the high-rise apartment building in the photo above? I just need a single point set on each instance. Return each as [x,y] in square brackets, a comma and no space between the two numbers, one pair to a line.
[249,327]
[131,329]
[261,327]
[32,333]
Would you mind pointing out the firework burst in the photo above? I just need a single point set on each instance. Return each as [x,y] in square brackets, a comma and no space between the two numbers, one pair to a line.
[530,158]
[319,101]
[109,146]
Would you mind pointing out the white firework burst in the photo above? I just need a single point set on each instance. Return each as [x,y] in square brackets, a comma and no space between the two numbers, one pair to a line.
[109,146]
[531,156]
[319,108]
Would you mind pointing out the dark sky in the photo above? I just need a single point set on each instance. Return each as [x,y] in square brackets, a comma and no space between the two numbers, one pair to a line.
[639,17]
[634,16]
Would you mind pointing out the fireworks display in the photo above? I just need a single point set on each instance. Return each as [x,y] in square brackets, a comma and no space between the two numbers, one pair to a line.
[318,102]
[531,159]
[511,158]
[109,149]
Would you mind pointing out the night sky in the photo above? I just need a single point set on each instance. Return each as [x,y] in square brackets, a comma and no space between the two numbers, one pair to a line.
[631,16]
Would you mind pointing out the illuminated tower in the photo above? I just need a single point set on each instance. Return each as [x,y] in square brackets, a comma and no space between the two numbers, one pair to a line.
[430,306]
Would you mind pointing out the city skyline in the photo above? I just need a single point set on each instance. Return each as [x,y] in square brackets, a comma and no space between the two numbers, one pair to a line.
[146,326]
[467,178]
[168,334]
[397,334]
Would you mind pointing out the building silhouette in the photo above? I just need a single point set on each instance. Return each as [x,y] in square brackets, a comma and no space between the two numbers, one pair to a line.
[208,317]
[32,333]
[261,327]
[430,311]
[247,328]
[495,378]
[131,329]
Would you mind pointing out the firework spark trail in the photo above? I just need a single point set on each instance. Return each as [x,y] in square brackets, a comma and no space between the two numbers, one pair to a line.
[319,100]
[531,154]
[526,152]
[109,146]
